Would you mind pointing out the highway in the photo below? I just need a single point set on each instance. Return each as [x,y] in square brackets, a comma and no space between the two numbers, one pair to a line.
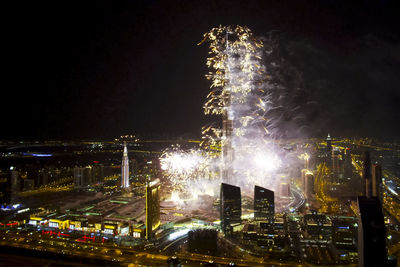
[298,199]
[93,253]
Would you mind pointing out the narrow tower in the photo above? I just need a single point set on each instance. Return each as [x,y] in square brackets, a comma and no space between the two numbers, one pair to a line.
[227,125]
[125,169]
[329,144]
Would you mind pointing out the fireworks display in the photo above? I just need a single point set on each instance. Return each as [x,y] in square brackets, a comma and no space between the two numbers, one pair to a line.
[241,92]
[186,169]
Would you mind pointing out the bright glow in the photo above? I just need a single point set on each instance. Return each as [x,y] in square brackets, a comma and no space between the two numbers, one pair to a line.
[175,197]
[392,191]
[243,91]
[178,234]
[266,162]
[180,162]
[185,170]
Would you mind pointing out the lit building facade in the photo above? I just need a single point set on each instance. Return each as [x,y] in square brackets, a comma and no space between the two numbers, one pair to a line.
[152,207]
[264,205]
[82,176]
[230,207]
[344,233]
[125,169]
[309,186]
[317,226]
[329,144]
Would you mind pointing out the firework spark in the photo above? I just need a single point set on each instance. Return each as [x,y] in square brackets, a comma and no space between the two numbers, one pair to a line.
[242,151]
[240,92]
[184,168]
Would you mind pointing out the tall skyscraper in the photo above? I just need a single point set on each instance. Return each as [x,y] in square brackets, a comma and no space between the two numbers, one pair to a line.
[336,162]
[264,205]
[371,225]
[230,207]
[303,179]
[82,177]
[348,166]
[376,181]
[367,175]
[5,187]
[125,169]
[152,207]
[371,233]
[329,144]
[227,149]
[309,192]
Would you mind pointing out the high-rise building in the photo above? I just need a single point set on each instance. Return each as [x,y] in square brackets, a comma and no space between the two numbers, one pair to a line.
[309,188]
[15,182]
[371,233]
[344,233]
[303,179]
[376,181]
[317,226]
[371,224]
[347,166]
[230,207]
[125,169]
[97,173]
[5,187]
[152,207]
[367,175]
[227,149]
[82,176]
[264,205]
[336,158]
[329,144]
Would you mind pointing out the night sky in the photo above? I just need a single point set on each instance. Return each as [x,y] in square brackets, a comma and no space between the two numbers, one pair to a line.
[97,69]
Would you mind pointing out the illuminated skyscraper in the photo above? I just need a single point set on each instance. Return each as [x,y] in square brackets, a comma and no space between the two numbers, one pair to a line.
[303,179]
[230,207]
[329,144]
[309,187]
[264,205]
[125,169]
[152,207]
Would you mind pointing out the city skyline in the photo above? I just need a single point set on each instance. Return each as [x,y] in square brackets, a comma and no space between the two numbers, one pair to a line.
[201,133]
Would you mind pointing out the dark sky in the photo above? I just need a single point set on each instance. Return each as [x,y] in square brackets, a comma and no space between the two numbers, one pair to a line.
[97,69]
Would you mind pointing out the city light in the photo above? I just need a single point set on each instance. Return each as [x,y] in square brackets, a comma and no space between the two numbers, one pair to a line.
[178,234]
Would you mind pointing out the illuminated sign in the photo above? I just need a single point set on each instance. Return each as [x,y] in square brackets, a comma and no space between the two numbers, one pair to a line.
[53,233]
[53,224]
[124,231]
[109,231]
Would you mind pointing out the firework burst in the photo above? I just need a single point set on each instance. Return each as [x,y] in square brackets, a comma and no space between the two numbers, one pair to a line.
[240,92]
[241,151]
